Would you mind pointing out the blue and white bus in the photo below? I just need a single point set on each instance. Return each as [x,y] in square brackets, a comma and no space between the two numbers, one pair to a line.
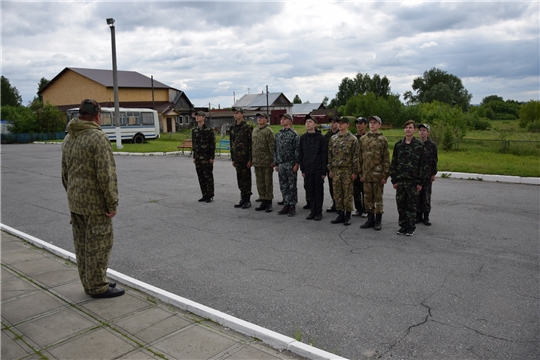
[136,125]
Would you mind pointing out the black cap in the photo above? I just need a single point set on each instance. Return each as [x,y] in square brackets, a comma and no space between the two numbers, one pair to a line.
[361,120]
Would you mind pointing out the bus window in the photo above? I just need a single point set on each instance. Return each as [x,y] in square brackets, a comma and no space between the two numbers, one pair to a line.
[106,118]
[123,118]
[134,118]
[147,118]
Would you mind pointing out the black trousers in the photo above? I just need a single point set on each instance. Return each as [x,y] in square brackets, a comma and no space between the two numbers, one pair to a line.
[314,185]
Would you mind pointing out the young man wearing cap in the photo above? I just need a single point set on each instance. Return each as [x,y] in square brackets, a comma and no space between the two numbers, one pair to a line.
[241,144]
[313,158]
[204,149]
[361,124]
[408,171]
[374,167]
[424,200]
[343,166]
[89,177]
[286,164]
[262,157]
[334,129]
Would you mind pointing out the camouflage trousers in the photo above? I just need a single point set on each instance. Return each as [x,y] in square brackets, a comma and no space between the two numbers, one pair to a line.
[93,239]
[424,198]
[206,177]
[243,177]
[265,182]
[406,199]
[373,197]
[330,186]
[358,195]
[287,183]
[343,189]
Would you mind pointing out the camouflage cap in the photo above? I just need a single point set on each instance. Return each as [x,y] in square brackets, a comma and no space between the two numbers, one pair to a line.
[376,118]
[424,126]
[201,113]
[308,117]
[344,119]
[264,115]
[361,120]
[239,109]
[287,116]
[89,107]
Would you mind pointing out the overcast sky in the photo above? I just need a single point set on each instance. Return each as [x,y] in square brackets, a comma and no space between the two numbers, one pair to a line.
[211,50]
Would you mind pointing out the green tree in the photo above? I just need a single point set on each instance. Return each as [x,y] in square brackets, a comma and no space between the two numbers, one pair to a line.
[361,84]
[50,119]
[438,85]
[21,119]
[389,109]
[37,101]
[297,100]
[447,123]
[325,102]
[490,98]
[529,113]
[10,94]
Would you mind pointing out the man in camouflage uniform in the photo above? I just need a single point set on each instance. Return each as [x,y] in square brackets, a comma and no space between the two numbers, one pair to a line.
[334,129]
[424,199]
[286,164]
[374,165]
[204,148]
[262,156]
[343,167]
[241,156]
[89,177]
[313,159]
[408,171]
[361,124]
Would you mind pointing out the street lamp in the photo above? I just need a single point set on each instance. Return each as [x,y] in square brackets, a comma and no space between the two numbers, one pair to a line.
[110,22]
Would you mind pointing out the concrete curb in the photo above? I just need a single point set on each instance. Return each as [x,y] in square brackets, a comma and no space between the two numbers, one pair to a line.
[272,338]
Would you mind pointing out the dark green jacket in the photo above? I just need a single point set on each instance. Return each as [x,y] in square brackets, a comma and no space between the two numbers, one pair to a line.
[204,142]
[241,142]
[409,162]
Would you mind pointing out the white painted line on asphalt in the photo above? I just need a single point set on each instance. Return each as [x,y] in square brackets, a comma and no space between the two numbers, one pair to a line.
[269,337]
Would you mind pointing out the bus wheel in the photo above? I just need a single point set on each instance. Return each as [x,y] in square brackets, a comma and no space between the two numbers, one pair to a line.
[138,139]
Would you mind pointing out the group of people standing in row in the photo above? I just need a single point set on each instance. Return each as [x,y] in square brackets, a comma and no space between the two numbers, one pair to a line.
[357,167]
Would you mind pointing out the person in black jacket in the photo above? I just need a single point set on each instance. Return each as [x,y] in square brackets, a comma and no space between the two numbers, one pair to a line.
[313,158]
[204,148]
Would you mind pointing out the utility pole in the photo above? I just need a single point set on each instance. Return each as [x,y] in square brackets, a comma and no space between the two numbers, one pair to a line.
[110,22]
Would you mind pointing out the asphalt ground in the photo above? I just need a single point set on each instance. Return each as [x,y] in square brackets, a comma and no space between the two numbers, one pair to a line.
[465,288]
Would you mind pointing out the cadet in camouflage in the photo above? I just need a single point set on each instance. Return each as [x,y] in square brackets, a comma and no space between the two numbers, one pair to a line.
[334,129]
[408,170]
[374,167]
[361,124]
[286,164]
[241,144]
[424,199]
[204,149]
[343,167]
[262,155]
[89,177]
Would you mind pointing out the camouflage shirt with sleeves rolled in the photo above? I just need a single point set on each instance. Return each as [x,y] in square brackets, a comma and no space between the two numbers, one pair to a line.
[373,157]
[204,142]
[343,152]
[241,142]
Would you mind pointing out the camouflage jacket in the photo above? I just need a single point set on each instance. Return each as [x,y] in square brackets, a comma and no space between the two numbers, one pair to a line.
[343,153]
[313,153]
[409,162]
[88,169]
[373,157]
[286,147]
[204,142]
[432,157]
[262,152]
[241,141]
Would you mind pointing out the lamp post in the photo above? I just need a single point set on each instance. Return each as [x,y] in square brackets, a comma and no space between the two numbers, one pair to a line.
[110,22]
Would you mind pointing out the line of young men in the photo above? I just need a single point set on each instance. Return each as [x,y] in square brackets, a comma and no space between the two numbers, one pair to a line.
[357,167]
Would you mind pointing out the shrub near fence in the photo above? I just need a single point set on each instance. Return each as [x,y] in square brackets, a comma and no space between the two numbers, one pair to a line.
[516,147]
[28,138]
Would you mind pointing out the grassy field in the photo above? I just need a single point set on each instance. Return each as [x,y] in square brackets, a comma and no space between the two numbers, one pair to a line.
[478,153]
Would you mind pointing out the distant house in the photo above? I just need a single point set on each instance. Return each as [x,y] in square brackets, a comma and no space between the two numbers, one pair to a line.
[67,89]
[299,112]
[274,104]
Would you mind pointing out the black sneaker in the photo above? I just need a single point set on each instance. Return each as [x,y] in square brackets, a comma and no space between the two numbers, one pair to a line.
[318,217]
[203,199]
[307,206]
[401,231]
[209,199]
[311,216]
[409,232]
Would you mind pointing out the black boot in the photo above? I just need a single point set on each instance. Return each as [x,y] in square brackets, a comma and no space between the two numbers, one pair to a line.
[262,206]
[347,219]
[247,202]
[332,209]
[241,203]
[426,219]
[203,199]
[418,218]
[378,222]
[369,223]
[269,206]
[340,218]
[284,210]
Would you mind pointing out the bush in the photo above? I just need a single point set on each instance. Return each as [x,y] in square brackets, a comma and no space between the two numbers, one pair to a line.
[534,126]
[22,120]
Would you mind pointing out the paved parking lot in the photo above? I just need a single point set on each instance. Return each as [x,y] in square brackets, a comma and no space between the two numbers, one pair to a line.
[466,287]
